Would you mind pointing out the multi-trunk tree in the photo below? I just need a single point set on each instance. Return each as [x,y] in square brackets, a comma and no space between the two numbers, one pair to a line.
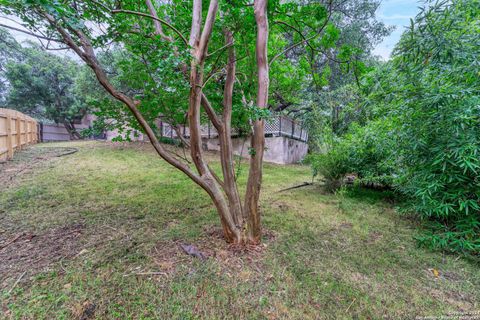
[188,62]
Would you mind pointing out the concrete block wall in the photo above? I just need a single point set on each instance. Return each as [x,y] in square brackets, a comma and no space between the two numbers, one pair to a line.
[281,150]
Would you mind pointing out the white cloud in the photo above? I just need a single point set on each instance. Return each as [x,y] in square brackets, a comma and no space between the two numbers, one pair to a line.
[383,52]
[395,17]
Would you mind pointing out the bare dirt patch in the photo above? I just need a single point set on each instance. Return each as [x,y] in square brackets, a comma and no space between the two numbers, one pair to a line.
[168,255]
[24,161]
[30,253]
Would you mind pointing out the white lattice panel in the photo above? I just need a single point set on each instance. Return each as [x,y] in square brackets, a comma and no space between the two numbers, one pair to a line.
[213,131]
[272,126]
[185,131]
[167,130]
[277,126]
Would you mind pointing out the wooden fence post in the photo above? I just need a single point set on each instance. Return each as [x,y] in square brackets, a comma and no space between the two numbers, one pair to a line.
[27,131]
[20,132]
[40,132]
[30,131]
[9,136]
[18,137]
[35,132]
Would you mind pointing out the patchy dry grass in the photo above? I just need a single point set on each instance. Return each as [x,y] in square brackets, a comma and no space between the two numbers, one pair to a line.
[97,234]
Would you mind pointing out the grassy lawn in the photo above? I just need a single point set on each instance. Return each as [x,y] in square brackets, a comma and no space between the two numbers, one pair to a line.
[96,234]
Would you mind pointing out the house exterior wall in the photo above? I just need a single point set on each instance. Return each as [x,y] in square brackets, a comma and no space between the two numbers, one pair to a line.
[285,141]
[138,136]
[281,150]
[294,150]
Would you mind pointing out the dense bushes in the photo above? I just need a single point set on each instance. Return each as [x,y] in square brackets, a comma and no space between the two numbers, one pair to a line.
[442,167]
[424,138]
[366,152]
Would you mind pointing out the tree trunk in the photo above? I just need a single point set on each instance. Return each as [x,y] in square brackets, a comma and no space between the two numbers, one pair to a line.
[258,137]
[241,224]
[72,131]
[225,139]
[229,217]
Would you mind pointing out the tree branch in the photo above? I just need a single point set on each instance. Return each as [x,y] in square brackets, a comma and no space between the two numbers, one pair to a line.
[180,136]
[212,115]
[30,33]
[207,28]
[88,55]
[305,40]
[157,24]
[196,22]
[221,49]
[154,18]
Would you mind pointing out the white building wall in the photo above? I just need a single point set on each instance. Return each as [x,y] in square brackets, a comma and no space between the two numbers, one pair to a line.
[281,150]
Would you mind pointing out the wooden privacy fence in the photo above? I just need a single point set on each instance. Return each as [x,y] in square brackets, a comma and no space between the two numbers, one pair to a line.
[16,130]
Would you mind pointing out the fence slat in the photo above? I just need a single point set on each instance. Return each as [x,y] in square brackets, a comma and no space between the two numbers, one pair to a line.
[9,135]
[12,130]
[18,136]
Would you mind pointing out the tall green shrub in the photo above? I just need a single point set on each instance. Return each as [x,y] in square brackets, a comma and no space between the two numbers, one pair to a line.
[439,108]
[430,95]
[365,151]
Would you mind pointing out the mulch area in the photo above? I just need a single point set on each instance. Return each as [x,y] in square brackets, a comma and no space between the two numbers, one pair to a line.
[169,255]
[27,253]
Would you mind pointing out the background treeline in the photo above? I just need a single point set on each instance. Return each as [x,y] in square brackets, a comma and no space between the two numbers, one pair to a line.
[50,87]
[413,125]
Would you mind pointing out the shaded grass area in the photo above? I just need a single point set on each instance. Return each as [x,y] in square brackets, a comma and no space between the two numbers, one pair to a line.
[99,235]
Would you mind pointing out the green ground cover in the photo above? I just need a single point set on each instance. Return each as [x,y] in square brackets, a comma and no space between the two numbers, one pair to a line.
[97,234]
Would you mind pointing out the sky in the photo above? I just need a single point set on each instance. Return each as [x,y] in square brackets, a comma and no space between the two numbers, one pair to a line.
[398,14]
[10,21]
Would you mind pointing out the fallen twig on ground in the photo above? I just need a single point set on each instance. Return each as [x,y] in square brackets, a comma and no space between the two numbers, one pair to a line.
[11,241]
[298,186]
[354,299]
[153,273]
[72,151]
[16,282]
[193,251]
